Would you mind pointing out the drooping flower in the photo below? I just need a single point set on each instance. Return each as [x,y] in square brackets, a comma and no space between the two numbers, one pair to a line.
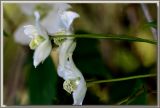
[39,41]
[74,81]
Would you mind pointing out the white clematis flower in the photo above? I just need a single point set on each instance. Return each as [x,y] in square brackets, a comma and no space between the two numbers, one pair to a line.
[74,81]
[39,41]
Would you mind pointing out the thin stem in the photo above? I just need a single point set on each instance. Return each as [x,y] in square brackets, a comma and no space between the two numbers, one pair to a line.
[120,79]
[131,98]
[149,19]
[123,101]
[136,95]
[106,36]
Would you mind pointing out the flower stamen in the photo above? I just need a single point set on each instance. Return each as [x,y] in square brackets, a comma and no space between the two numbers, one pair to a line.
[71,84]
[35,42]
[58,41]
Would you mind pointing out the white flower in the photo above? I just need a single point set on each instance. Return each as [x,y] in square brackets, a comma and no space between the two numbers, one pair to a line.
[39,41]
[59,19]
[52,21]
[74,81]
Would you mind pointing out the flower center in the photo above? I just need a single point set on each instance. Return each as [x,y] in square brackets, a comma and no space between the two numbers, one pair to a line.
[35,42]
[71,84]
[58,41]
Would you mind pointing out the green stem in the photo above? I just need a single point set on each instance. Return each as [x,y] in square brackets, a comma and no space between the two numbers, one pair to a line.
[120,79]
[132,97]
[123,101]
[107,36]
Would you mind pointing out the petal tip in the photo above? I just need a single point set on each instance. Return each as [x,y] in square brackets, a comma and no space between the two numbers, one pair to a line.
[37,15]
[36,63]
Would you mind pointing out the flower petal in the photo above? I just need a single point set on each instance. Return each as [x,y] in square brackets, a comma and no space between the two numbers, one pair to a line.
[67,18]
[60,71]
[61,6]
[20,37]
[42,52]
[52,21]
[30,31]
[80,92]
[40,29]
[63,49]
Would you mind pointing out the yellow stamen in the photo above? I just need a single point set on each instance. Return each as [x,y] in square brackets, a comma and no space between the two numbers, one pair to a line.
[71,84]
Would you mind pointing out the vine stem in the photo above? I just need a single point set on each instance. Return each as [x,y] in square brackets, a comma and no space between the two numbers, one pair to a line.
[120,79]
[106,36]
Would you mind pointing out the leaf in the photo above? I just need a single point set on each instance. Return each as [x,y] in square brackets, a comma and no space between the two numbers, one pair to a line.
[42,83]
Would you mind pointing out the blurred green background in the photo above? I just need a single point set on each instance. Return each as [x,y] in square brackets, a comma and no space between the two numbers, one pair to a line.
[98,59]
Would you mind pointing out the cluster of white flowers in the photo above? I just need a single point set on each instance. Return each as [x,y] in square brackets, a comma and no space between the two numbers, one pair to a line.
[57,22]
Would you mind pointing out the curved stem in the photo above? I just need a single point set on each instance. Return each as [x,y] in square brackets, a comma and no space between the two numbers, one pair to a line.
[120,79]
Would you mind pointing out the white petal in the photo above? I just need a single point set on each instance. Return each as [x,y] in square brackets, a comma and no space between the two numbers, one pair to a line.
[30,31]
[67,68]
[63,49]
[61,6]
[40,29]
[79,93]
[61,71]
[67,18]
[42,52]
[20,37]
[37,15]
[52,21]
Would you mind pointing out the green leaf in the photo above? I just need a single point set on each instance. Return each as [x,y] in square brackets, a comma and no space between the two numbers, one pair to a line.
[42,82]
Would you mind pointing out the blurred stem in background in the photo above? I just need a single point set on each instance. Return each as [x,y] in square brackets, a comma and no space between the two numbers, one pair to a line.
[149,19]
